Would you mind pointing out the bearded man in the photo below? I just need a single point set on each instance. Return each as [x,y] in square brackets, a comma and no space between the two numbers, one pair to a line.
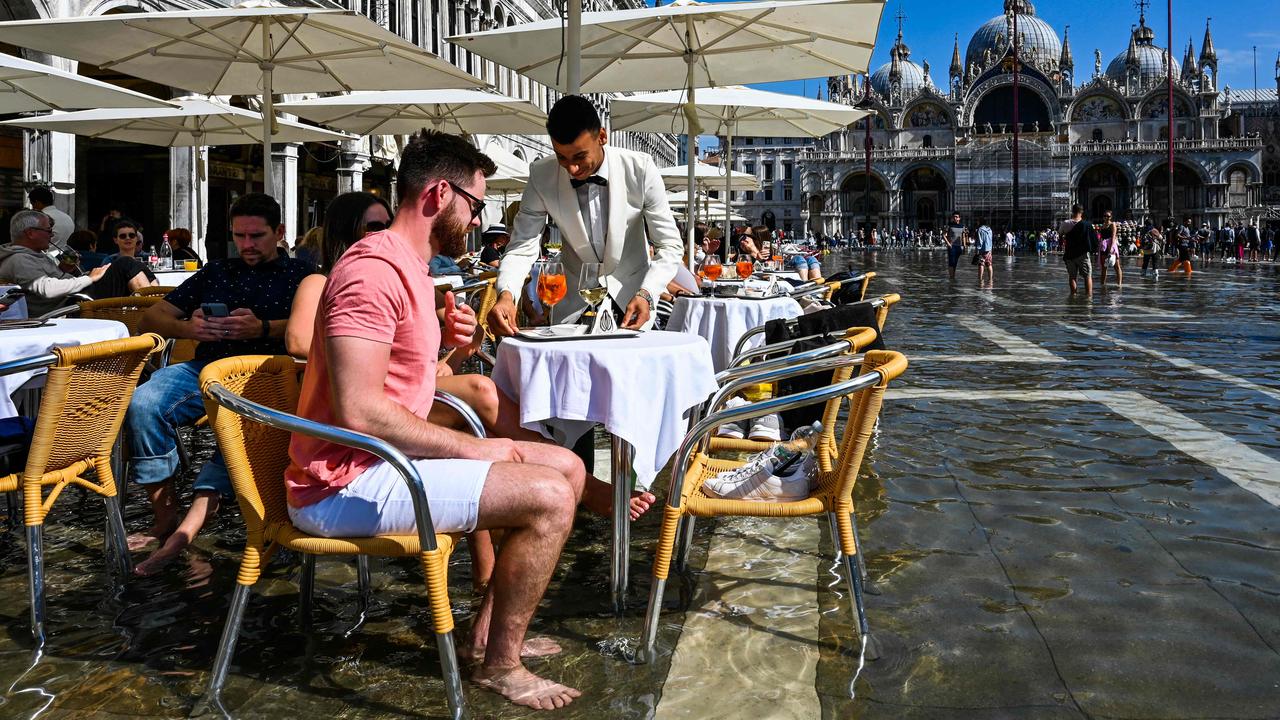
[372,369]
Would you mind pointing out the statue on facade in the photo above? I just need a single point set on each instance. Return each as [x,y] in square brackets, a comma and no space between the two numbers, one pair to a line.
[1097,62]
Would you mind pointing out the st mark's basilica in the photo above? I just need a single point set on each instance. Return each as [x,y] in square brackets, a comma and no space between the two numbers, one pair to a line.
[1093,131]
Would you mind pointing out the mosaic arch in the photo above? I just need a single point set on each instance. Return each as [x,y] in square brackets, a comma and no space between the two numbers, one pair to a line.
[1098,108]
[1158,107]
[927,115]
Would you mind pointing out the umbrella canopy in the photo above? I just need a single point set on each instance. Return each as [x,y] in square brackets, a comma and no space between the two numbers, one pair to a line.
[402,112]
[732,42]
[513,173]
[27,86]
[194,122]
[707,177]
[734,109]
[690,45]
[244,51]
[731,111]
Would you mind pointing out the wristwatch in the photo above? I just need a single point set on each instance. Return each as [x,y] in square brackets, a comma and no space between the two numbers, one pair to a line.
[266,328]
[644,295]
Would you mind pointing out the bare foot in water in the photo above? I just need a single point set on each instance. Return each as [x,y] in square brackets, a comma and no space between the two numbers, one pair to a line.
[153,534]
[524,688]
[172,547]
[533,647]
[598,498]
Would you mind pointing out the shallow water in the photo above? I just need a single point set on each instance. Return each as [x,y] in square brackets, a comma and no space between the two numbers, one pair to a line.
[1056,530]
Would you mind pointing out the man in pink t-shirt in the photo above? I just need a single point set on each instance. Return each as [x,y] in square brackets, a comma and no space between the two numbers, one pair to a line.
[372,369]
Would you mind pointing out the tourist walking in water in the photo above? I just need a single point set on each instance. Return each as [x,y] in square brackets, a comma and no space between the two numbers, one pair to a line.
[983,252]
[1184,251]
[1109,249]
[1078,240]
[1152,246]
[957,236]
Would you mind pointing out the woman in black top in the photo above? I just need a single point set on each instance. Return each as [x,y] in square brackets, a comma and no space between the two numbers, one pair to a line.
[495,238]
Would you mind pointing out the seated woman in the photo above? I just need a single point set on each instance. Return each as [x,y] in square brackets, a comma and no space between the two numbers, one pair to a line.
[180,240]
[85,243]
[747,245]
[808,267]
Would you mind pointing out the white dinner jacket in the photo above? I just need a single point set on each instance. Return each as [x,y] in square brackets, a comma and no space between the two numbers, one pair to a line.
[638,216]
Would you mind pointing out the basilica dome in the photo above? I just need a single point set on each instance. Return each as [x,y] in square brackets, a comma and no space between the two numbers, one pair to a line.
[912,78]
[1038,39]
[1149,59]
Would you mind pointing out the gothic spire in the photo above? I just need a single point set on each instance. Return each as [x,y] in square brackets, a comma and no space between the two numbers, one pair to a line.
[1189,63]
[1207,53]
[957,67]
[1066,62]
[1131,54]
[895,64]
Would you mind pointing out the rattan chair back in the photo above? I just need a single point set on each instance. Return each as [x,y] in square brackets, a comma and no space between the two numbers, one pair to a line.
[156,291]
[837,483]
[127,310]
[86,394]
[256,455]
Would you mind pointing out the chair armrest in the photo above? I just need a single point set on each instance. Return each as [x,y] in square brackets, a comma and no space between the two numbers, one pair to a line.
[63,311]
[733,373]
[33,362]
[463,409]
[375,446]
[746,337]
[805,291]
[698,434]
[799,364]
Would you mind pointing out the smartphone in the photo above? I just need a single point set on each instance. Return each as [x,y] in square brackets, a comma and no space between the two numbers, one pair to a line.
[215,310]
[14,293]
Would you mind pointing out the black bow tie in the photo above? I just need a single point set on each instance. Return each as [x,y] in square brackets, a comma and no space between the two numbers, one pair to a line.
[595,179]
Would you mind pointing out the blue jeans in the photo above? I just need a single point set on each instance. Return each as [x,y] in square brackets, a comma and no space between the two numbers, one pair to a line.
[166,402]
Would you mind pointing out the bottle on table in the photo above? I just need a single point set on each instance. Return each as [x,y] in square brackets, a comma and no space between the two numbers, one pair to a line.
[166,255]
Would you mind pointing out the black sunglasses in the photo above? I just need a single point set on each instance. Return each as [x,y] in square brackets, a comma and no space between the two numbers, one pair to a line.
[477,205]
[127,236]
[374,226]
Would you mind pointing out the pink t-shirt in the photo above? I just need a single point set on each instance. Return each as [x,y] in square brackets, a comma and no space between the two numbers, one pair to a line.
[379,290]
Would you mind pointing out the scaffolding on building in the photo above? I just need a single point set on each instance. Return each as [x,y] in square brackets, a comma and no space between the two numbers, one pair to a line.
[984,181]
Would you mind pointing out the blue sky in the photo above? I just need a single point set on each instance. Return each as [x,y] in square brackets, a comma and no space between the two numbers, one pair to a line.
[1238,25]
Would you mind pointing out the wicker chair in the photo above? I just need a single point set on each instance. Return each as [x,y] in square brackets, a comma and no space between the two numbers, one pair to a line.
[837,472]
[127,310]
[249,401]
[86,393]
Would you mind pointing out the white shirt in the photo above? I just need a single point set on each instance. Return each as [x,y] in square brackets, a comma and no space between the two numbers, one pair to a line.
[593,200]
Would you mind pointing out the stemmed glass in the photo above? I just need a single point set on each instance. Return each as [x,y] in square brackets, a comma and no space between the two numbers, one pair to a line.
[593,292]
[711,267]
[551,285]
[745,266]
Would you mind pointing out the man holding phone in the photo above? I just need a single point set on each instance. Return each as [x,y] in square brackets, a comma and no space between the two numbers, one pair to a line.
[236,306]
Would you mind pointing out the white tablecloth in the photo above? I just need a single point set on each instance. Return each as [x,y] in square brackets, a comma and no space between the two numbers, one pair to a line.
[25,342]
[639,388]
[723,321]
[173,278]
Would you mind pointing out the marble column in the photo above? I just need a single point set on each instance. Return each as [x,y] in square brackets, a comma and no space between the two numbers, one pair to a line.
[284,175]
[189,193]
[353,161]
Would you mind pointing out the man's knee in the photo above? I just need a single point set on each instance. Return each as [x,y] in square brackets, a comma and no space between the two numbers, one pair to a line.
[482,392]
[551,498]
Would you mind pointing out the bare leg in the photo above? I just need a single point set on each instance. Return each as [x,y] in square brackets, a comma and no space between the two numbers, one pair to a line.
[500,415]
[536,504]
[164,504]
[139,281]
[480,547]
[597,497]
[203,507]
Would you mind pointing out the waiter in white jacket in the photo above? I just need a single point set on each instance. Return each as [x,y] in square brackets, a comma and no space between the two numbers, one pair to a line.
[609,204]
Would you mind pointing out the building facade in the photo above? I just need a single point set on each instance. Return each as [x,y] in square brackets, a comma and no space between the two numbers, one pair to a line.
[1096,138]
[159,186]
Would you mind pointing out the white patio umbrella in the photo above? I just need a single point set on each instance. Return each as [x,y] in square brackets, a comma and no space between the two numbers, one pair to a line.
[402,112]
[254,49]
[27,86]
[733,110]
[707,177]
[688,45]
[188,122]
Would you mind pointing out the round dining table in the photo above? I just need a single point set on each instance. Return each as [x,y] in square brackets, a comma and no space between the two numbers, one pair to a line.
[724,320]
[23,342]
[639,387]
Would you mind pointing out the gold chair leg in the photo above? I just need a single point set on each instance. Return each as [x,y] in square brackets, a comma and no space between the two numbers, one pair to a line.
[849,566]
[35,581]
[862,557]
[671,523]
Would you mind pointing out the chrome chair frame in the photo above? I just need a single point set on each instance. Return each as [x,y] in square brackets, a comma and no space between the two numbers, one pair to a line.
[759,330]
[697,436]
[422,512]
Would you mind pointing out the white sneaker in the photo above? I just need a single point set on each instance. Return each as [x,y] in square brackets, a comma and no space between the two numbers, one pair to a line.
[767,428]
[732,430]
[756,480]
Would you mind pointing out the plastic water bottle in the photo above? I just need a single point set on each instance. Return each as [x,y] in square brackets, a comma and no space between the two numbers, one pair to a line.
[802,442]
[166,256]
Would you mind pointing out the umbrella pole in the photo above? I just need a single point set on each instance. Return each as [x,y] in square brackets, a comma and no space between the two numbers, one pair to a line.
[728,184]
[573,41]
[691,148]
[268,184]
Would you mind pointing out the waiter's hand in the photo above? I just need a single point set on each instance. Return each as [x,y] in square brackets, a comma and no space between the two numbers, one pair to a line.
[637,313]
[502,318]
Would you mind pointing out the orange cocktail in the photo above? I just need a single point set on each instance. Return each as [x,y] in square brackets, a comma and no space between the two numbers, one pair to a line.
[744,269]
[552,288]
[712,271]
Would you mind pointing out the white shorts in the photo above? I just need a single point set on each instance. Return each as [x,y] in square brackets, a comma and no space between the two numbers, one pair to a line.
[377,502]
